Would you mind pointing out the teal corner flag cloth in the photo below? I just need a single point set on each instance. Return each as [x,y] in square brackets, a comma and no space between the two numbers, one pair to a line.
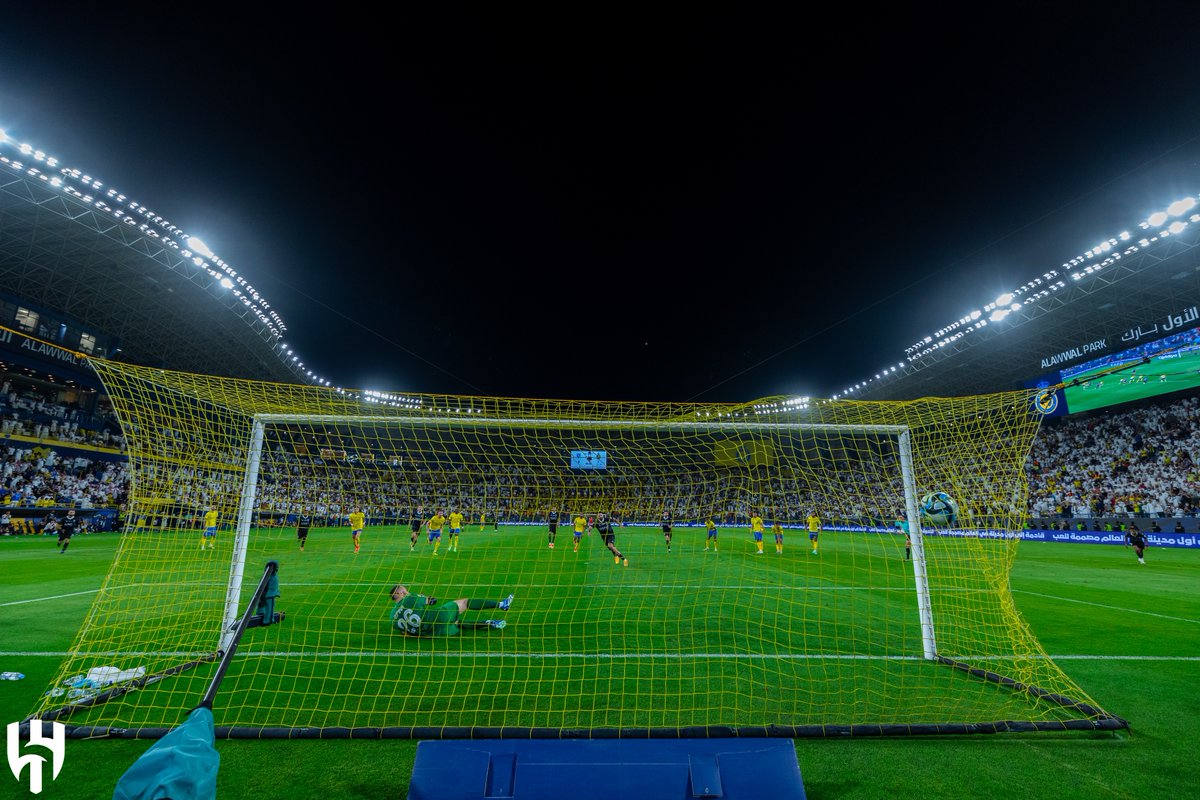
[180,766]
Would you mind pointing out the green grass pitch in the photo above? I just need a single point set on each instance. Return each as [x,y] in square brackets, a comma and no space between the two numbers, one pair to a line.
[1129,635]
[1181,373]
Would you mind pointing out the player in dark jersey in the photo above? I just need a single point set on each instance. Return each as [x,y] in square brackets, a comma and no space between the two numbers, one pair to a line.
[604,527]
[417,521]
[666,526]
[303,523]
[1135,537]
[552,524]
[66,529]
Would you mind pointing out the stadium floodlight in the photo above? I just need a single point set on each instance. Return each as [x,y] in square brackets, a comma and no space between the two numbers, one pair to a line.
[195,243]
[1004,299]
[1181,206]
[1177,226]
[999,314]
[1157,218]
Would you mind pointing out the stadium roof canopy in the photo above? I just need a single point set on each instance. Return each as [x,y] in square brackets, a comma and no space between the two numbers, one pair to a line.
[1127,291]
[70,243]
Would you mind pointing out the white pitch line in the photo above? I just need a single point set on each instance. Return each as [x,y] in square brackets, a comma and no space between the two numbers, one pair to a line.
[1125,658]
[608,586]
[1102,605]
[52,597]
[552,656]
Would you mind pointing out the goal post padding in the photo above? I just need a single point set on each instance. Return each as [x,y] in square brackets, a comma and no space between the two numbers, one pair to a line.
[854,638]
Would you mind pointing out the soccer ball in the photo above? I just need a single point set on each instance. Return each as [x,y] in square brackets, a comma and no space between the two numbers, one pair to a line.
[939,508]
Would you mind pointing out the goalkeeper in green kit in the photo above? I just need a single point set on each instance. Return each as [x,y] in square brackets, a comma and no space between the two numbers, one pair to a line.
[420,615]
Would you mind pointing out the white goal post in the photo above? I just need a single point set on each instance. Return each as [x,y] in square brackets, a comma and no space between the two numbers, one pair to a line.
[246,507]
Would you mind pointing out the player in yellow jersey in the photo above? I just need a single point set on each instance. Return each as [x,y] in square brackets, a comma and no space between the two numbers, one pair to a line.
[756,527]
[434,526]
[357,522]
[814,530]
[712,534]
[456,524]
[580,524]
[777,529]
[482,519]
[210,529]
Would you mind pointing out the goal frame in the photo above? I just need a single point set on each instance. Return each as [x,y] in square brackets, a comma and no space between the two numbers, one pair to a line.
[260,422]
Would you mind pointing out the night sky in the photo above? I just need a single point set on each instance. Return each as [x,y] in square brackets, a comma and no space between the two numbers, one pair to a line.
[621,207]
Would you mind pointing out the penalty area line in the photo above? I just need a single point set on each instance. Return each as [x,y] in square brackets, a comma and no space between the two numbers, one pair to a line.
[43,599]
[1125,609]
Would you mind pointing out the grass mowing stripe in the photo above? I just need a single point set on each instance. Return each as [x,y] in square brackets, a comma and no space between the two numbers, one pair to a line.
[682,656]
[1157,761]
[1125,609]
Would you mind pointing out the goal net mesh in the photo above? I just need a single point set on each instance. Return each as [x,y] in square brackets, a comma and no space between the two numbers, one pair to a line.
[698,632]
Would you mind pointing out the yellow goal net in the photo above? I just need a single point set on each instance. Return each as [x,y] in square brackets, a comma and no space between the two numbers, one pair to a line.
[769,568]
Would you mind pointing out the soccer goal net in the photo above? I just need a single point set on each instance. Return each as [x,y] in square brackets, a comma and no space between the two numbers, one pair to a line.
[800,590]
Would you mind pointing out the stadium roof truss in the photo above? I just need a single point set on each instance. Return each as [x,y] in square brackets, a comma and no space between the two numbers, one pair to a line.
[1090,316]
[94,261]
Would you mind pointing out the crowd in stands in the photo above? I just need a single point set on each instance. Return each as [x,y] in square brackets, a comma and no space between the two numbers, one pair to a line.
[42,477]
[527,492]
[30,414]
[42,464]
[1140,462]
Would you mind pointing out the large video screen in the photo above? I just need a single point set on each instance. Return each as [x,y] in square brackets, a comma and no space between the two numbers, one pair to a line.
[1170,364]
[589,459]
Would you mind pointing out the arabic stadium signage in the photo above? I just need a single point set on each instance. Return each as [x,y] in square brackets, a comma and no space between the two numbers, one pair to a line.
[1147,331]
[1188,540]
